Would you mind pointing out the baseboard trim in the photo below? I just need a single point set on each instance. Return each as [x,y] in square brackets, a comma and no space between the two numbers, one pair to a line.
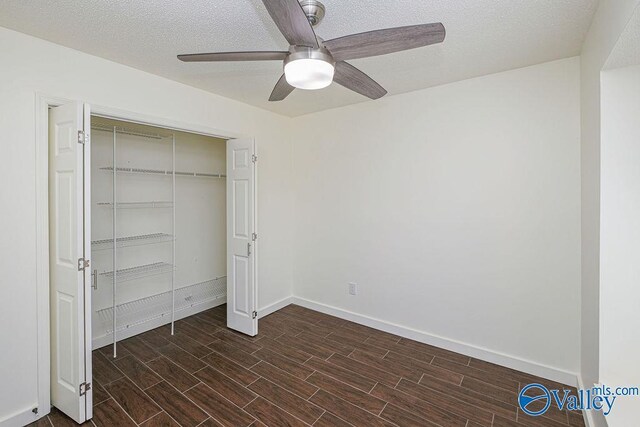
[24,417]
[588,415]
[272,308]
[487,355]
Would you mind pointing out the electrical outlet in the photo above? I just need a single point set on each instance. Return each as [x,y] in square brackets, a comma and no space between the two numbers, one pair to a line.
[353,288]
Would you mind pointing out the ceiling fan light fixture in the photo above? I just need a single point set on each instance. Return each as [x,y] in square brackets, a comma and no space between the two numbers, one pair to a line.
[313,63]
[309,74]
[309,69]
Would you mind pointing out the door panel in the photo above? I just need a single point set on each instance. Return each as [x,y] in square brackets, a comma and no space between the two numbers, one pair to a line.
[241,290]
[64,340]
[241,279]
[68,239]
[241,213]
[65,183]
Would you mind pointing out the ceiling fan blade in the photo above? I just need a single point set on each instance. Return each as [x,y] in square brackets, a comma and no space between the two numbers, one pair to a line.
[282,90]
[292,22]
[382,42]
[233,56]
[350,77]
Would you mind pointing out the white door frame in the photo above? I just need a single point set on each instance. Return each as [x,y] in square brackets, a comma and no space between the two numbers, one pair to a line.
[43,102]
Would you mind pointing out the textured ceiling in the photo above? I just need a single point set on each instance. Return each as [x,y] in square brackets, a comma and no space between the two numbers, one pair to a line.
[626,52]
[483,37]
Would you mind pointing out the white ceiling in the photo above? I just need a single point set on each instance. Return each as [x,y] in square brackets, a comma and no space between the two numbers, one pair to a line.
[626,52]
[483,37]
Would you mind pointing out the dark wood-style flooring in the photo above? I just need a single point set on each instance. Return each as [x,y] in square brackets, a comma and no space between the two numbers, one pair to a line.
[304,368]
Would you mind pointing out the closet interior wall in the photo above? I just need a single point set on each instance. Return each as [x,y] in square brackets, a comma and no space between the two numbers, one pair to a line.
[158,227]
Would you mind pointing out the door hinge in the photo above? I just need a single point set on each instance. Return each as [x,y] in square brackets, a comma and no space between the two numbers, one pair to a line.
[81,137]
[254,158]
[248,249]
[82,264]
[254,314]
[84,388]
[254,236]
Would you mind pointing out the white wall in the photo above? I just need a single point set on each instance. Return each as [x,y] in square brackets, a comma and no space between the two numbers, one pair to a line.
[30,65]
[620,239]
[608,23]
[456,209]
[201,216]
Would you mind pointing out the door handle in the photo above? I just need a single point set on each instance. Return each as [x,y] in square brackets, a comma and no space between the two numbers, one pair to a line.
[94,279]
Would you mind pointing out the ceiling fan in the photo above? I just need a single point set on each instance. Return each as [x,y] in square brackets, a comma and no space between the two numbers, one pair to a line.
[313,63]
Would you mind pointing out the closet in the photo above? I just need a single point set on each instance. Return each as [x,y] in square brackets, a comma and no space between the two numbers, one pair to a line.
[146,225]
[158,227]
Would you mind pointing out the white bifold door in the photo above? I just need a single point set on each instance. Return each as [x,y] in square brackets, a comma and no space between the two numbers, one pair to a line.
[241,237]
[69,255]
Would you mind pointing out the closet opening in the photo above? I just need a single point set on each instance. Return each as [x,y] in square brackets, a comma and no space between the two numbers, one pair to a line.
[159,246]
[148,225]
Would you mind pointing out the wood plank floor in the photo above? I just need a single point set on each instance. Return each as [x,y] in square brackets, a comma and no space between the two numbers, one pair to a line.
[304,368]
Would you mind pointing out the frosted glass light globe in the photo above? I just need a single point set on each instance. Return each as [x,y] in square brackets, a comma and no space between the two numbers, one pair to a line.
[309,73]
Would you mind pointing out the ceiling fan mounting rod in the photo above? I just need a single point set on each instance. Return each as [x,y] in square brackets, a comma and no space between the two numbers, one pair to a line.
[314,10]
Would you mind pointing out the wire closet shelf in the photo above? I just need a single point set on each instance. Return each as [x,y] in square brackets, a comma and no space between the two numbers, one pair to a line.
[149,204]
[142,171]
[149,308]
[123,242]
[139,272]
[130,131]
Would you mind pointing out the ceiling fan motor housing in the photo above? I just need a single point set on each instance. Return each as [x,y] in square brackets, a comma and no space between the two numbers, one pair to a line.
[314,11]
